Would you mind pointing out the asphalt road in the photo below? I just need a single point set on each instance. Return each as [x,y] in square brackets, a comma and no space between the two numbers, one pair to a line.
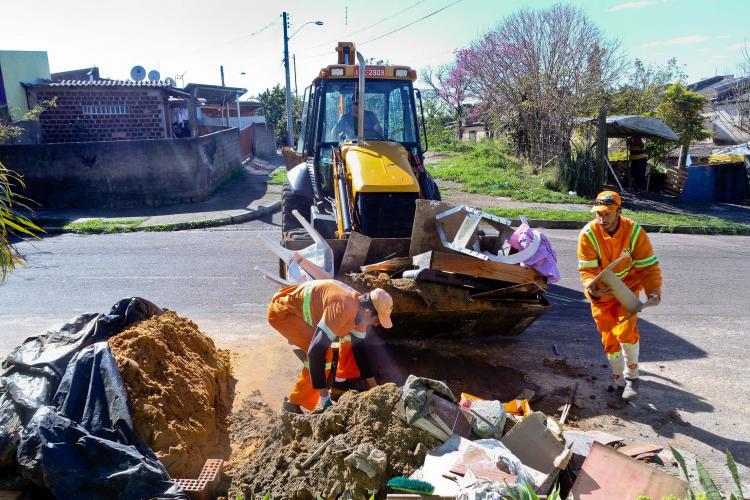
[694,348]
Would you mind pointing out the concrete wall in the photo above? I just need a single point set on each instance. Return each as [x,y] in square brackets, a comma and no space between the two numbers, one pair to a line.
[86,114]
[17,66]
[264,142]
[124,173]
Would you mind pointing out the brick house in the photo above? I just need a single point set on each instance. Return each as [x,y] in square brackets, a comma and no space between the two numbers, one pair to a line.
[108,110]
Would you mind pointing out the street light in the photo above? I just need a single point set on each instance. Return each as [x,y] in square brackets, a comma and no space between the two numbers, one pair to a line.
[289,128]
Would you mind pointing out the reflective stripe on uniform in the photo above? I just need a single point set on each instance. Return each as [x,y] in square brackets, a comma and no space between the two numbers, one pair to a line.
[358,334]
[327,330]
[307,365]
[307,313]
[634,236]
[583,264]
[649,261]
[614,355]
[592,237]
[345,338]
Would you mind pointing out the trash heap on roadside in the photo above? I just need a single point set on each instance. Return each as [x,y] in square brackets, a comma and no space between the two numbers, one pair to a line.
[421,439]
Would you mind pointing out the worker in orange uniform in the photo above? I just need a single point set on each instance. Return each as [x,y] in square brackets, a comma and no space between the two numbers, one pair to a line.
[314,314]
[601,242]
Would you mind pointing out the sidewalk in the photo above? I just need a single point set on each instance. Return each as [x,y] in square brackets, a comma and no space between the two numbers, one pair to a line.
[245,198]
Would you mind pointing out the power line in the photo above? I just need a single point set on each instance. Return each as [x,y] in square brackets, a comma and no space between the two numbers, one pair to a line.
[411,23]
[376,23]
[328,52]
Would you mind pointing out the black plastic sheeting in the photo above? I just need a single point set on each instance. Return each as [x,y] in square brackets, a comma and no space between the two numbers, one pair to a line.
[64,417]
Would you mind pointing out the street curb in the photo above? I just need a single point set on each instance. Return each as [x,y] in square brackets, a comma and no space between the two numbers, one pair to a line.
[651,228]
[247,216]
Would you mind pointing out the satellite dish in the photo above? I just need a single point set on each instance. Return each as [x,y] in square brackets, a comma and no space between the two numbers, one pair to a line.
[138,73]
[154,75]
[170,82]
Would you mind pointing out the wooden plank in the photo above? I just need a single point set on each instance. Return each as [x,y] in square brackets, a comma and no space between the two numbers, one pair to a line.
[355,255]
[470,266]
[633,450]
[442,278]
[388,266]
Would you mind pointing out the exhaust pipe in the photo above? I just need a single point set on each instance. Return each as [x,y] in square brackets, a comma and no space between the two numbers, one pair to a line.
[361,103]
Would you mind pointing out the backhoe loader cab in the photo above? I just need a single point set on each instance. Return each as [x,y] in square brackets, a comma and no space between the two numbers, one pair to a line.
[350,181]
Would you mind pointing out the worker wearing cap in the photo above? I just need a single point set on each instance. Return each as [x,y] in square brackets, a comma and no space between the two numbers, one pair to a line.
[314,314]
[601,242]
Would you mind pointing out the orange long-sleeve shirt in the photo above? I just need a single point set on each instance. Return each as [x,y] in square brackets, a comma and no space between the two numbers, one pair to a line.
[597,249]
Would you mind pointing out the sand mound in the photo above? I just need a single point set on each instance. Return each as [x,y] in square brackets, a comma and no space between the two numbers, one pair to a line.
[180,388]
[270,447]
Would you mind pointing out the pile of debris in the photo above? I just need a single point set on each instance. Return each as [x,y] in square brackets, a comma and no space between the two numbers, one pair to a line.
[421,438]
[179,386]
[355,447]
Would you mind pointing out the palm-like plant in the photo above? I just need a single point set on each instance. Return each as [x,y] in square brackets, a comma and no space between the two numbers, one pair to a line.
[12,223]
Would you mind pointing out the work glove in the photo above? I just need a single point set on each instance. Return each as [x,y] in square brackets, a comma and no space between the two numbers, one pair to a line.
[325,402]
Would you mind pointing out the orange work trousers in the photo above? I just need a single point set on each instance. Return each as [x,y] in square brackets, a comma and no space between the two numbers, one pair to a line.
[614,328]
[285,320]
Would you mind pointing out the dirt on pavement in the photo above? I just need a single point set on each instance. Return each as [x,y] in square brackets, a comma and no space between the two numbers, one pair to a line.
[181,390]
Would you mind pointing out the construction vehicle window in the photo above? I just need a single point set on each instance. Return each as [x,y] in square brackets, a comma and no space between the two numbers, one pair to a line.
[303,124]
[388,111]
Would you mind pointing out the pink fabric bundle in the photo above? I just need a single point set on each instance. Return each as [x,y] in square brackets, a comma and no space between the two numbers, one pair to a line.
[545,258]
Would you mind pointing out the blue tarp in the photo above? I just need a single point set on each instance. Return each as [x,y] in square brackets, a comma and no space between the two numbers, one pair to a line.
[65,423]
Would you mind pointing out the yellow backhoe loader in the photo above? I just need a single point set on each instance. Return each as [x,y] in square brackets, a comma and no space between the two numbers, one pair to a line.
[358,169]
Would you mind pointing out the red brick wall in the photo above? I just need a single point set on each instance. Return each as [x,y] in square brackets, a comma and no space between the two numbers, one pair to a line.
[130,114]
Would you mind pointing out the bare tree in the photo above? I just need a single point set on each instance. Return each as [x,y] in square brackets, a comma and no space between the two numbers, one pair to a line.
[537,71]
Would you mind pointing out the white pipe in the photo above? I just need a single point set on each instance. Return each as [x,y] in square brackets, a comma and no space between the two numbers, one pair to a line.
[361,102]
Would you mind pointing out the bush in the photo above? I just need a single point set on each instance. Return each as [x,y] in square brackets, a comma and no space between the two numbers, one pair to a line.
[577,173]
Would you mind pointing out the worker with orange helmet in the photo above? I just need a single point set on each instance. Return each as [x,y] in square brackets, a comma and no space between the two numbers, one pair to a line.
[601,242]
[312,316]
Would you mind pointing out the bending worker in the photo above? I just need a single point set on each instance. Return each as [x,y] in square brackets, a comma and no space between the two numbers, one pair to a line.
[601,242]
[314,314]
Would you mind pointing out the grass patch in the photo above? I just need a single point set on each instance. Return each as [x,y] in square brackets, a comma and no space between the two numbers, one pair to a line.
[278,176]
[669,222]
[490,168]
[238,172]
[99,226]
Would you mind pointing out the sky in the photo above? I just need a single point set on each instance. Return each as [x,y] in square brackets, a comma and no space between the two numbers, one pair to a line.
[192,38]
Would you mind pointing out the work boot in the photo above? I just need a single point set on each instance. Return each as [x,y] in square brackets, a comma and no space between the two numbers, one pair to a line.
[631,389]
[290,407]
[615,398]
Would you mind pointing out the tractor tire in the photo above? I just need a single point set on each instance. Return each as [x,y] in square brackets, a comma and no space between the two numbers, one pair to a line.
[292,201]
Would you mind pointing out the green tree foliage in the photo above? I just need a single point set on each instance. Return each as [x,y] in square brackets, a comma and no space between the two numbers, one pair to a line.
[12,223]
[645,86]
[274,105]
[681,109]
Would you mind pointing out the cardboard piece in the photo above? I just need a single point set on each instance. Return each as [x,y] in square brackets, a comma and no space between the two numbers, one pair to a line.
[424,234]
[610,475]
[536,447]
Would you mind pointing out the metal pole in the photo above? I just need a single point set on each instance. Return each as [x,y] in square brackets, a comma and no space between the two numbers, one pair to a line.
[239,127]
[222,75]
[294,60]
[289,129]
[361,101]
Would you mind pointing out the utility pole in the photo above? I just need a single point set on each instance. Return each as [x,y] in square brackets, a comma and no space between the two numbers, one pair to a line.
[346,15]
[289,128]
[221,68]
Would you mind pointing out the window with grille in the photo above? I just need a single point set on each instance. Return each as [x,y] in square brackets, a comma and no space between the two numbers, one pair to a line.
[113,109]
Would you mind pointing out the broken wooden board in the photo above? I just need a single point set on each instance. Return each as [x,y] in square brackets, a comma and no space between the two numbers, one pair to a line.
[608,474]
[443,278]
[633,450]
[470,266]
[524,290]
[355,255]
[388,266]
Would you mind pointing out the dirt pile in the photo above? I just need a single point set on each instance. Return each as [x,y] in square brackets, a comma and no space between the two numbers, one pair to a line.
[270,448]
[180,388]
